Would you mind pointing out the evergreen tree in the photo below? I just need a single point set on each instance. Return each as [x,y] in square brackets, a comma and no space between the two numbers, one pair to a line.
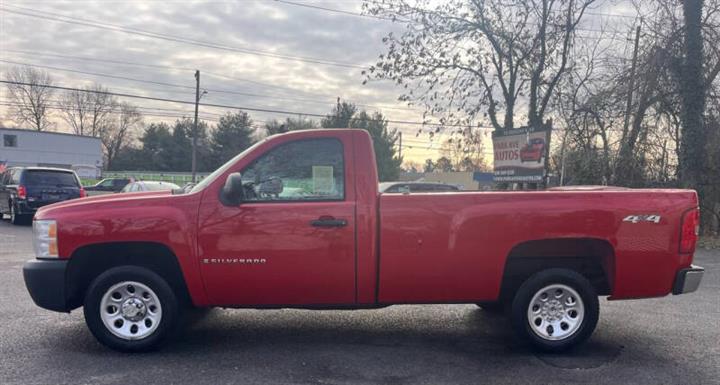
[340,117]
[232,135]
[345,115]
[289,124]
[156,140]
[444,164]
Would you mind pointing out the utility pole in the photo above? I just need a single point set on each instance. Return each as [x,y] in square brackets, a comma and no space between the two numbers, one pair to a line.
[631,83]
[400,139]
[195,125]
[546,172]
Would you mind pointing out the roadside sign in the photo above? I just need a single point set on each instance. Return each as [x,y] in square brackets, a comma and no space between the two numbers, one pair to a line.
[520,154]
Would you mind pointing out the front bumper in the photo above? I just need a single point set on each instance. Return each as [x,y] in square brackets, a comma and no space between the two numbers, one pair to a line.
[688,280]
[45,281]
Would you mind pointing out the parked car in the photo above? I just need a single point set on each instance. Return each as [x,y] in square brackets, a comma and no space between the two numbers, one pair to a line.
[147,185]
[107,186]
[410,187]
[25,189]
[533,151]
[136,262]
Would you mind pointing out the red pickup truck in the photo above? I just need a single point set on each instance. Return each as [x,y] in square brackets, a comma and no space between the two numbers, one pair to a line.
[297,221]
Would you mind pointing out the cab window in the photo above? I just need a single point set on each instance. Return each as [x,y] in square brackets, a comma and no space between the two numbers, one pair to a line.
[106,183]
[304,170]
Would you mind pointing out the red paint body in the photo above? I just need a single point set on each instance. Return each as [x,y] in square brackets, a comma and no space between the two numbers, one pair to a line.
[397,248]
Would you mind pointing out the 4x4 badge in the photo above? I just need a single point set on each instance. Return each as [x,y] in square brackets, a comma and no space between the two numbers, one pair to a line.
[642,218]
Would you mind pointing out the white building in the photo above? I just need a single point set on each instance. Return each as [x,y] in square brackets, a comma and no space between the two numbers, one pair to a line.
[51,149]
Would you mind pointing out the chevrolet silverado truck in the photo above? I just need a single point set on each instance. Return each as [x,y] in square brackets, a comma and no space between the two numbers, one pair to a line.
[296,221]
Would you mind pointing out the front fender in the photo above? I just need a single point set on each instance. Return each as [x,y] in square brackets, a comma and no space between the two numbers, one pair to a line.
[169,220]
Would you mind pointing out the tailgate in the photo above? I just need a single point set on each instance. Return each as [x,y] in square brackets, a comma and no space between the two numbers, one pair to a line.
[49,186]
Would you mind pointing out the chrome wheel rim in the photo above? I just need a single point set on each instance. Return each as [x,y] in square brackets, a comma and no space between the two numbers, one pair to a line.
[130,310]
[555,312]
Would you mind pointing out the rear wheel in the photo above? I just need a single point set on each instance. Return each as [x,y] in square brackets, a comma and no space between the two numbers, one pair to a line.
[555,309]
[131,308]
[15,218]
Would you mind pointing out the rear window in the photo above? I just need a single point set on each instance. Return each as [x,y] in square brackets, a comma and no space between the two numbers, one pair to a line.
[50,178]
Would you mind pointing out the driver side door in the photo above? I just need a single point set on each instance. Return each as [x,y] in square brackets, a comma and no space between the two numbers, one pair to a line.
[292,240]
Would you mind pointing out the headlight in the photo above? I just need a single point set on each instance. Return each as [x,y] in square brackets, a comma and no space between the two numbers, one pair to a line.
[45,239]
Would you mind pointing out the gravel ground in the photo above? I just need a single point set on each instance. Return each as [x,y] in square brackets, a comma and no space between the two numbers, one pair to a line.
[671,340]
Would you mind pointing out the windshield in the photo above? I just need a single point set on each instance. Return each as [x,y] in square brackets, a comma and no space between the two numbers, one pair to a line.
[384,186]
[210,178]
[161,186]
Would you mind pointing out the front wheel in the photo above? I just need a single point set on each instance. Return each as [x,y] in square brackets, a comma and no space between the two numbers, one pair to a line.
[131,308]
[492,307]
[555,309]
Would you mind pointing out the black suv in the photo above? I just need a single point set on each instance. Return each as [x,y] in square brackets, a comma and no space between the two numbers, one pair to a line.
[25,189]
[108,185]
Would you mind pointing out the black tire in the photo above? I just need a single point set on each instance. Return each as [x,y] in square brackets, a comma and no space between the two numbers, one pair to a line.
[17,219]
[193,315]
[543,279]
[492,307]
[167,325]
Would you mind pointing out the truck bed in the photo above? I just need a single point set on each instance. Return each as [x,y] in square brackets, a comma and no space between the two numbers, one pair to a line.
[458,243]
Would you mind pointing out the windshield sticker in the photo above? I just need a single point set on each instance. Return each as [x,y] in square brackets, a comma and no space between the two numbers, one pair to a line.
[323,181]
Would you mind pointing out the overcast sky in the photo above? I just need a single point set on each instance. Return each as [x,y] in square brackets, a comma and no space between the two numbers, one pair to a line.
[254,33]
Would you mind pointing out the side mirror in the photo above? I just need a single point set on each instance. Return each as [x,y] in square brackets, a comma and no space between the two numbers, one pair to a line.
[233,193]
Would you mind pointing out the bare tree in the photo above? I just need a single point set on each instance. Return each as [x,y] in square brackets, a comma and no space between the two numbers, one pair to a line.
[102,105]
[31,95]
[87,111]
[465,150]
[692,95]
[587,108]
[116,134]
[686,35]
[75,110]
[471,59]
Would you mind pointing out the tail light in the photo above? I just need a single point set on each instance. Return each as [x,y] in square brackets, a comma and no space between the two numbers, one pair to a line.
[83,194]
[21,192]
[690,231]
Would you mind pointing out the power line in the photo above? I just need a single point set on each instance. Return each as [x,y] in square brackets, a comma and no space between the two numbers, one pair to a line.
[351,13]
[212,74]
[99,74]
[38,53]
[607,14]
[60,103]
[266,110]
[30,12]
[159,115]
[304,100]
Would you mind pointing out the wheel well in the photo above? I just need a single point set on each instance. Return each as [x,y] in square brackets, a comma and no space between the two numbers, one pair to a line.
[593,258]
[88,262]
